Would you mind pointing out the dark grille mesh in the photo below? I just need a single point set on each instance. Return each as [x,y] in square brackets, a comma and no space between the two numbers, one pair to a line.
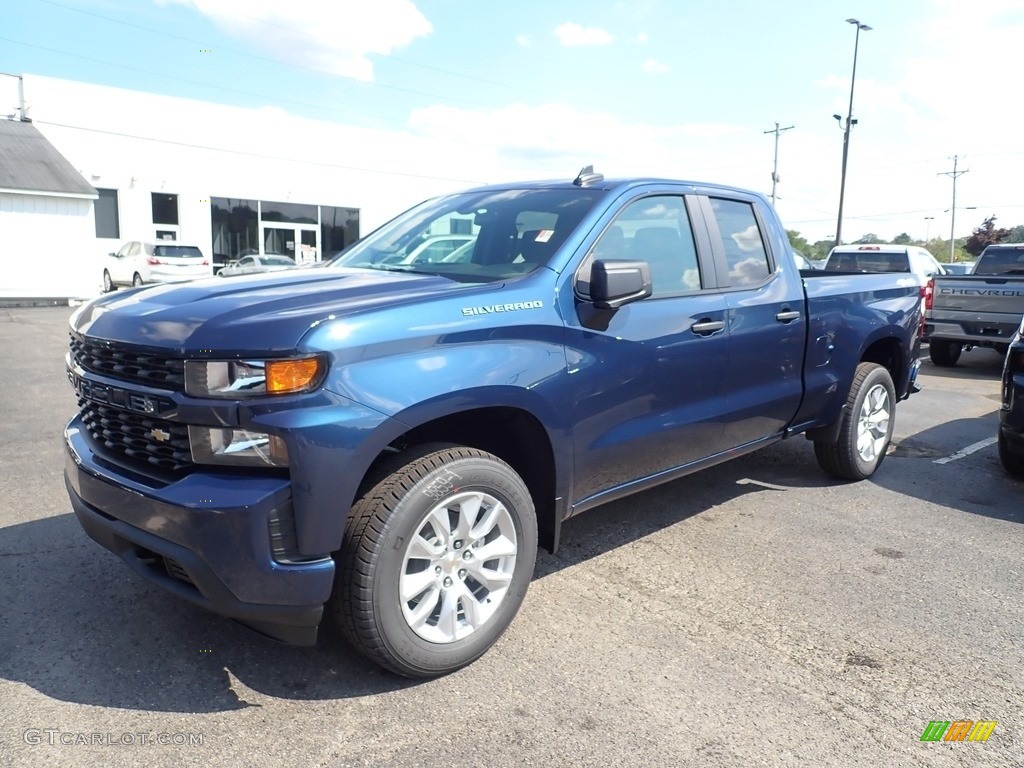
[128,363]
[138,436]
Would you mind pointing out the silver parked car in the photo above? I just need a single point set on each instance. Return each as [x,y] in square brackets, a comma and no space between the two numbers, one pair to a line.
[254,264]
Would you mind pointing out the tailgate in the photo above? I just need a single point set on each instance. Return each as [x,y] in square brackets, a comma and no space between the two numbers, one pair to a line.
[980,295]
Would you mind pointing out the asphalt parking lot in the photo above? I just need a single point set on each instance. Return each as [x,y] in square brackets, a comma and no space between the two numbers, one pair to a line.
[758,613]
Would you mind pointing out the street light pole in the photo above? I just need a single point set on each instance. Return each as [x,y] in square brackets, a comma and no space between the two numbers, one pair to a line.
[927,228]
[850,122]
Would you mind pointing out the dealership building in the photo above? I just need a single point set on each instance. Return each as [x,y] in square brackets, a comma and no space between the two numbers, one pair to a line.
[86,168]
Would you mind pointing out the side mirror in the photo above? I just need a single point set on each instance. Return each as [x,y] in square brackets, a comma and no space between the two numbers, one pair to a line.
[615,282]
[112,254]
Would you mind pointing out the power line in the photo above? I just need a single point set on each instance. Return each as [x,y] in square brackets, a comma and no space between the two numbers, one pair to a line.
[243,153]
[315,70]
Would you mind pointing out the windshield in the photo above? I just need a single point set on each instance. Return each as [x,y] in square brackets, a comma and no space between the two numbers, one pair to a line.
[475,236]
[995,260]
[868,261]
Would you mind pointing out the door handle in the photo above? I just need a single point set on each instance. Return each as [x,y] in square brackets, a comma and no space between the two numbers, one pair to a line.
[707,327]
[787,316]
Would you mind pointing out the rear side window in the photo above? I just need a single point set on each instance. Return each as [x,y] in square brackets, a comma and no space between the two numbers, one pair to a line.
[742,241]
[869,261]
[1001,261]
[168,251]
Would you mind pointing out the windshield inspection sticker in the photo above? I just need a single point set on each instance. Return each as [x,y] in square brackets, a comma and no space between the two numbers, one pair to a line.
[519,305]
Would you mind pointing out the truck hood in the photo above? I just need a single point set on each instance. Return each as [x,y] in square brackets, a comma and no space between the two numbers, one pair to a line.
[261,312]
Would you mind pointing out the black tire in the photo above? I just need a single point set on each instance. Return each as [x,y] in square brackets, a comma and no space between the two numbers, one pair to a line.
[842,458]
[108,284]
[1013,463]
[944,352]
[136,279]
[390,522]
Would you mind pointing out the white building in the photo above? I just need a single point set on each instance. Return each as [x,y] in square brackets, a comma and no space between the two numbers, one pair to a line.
[44,205]
[226,179]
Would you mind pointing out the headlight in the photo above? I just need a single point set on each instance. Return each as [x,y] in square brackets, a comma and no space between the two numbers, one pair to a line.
[237,447]
[246,378]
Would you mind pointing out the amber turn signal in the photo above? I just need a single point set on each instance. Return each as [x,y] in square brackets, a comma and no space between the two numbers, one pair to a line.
[285,376]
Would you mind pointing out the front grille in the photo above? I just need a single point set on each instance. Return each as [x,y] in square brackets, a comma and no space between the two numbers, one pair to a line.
[127,363]
[138,436]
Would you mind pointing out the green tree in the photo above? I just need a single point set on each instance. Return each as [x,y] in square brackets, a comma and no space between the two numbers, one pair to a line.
[797,241]
[819,249]
[870,237]
[985,235]
[1016,234]
[902,239]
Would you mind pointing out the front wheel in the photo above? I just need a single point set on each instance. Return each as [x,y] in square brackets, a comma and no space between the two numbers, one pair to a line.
[108,283]
[944,352]
[867,425]
[436,561]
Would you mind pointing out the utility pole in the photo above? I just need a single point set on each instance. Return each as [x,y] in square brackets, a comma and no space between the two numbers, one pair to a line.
[775,166]
[952,211]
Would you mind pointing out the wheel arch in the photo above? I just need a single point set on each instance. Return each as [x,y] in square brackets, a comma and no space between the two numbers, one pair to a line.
[512,432]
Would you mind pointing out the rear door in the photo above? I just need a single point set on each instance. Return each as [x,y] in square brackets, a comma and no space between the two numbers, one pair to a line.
[647,378]
[766,315]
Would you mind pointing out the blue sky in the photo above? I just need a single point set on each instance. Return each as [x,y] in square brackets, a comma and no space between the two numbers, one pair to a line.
[654,87]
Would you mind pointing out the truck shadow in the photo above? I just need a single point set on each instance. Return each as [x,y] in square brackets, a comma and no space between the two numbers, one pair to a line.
[77,626]
[933,467]
[979,363]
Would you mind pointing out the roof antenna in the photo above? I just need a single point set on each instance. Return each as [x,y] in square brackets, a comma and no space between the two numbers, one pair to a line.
[586,177]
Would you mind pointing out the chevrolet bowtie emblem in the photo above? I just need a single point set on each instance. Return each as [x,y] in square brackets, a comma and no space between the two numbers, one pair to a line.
[161,435]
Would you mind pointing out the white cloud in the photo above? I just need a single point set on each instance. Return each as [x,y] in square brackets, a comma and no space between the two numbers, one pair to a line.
[655,67]
[641,38]
[334,37]
[570,34]
[523,40]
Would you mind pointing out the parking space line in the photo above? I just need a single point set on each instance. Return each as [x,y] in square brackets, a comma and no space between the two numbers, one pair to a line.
[964,452]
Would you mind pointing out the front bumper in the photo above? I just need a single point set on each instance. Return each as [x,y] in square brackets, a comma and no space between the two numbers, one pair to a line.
[205,538]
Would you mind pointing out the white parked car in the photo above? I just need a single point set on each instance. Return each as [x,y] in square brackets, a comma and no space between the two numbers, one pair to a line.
[432,250]
[138,263]
[255,264]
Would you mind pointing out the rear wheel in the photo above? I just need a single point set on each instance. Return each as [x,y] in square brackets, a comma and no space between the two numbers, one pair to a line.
[136,279]
[944,352]
[436,561]
[867,425]
[1013,463]
[108,283]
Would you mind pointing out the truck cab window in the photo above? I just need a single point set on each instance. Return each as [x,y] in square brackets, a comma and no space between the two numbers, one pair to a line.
[656,230]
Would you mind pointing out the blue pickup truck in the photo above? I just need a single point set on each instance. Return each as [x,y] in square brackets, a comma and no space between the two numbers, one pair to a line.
[384,443]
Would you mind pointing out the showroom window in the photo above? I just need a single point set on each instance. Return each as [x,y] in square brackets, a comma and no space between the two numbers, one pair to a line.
[339,228]
[235,230]
[105,210]
[165,208]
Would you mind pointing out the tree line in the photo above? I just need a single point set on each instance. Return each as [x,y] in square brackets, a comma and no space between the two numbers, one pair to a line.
[964,249]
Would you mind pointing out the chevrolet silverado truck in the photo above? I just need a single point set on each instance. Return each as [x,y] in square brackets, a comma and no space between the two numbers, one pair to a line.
[384,446]
[982,309]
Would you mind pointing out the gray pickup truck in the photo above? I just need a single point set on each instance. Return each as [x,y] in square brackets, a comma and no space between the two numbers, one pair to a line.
[983,309]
